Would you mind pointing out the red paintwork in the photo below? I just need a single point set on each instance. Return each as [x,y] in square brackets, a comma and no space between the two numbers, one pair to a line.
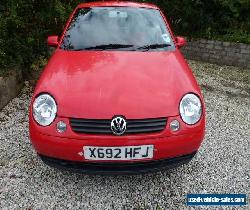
[52,41]
[180,41]
[102,84]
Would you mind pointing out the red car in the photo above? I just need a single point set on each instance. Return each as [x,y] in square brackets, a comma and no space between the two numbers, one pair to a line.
[117,96]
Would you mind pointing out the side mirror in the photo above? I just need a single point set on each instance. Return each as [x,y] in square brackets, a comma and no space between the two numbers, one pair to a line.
[52,41]
[180,41]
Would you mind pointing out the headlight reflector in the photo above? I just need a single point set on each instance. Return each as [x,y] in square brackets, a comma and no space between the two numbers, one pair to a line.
[44,109]
[190,109]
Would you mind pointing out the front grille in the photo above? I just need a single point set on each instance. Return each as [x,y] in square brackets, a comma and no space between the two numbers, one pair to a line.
[90,126]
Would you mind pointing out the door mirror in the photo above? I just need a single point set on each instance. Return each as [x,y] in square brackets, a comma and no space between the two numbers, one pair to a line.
[52,41]
[180,41]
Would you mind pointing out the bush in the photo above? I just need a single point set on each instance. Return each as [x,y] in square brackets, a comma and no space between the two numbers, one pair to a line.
[25,24]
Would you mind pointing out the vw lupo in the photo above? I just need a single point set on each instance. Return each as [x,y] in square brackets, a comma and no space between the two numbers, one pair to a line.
[117,96]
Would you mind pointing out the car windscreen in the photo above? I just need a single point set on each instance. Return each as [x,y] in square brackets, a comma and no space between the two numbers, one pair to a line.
[117,28]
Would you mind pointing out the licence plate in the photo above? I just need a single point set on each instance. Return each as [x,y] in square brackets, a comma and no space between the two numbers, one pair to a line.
[119,153]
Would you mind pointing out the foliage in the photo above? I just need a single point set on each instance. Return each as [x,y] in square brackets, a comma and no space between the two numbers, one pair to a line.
[25,24]
[207,19]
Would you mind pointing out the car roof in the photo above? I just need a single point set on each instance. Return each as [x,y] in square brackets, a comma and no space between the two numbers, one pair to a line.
[118,4]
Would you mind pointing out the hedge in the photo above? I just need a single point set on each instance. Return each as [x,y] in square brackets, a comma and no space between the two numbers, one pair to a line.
[25,24]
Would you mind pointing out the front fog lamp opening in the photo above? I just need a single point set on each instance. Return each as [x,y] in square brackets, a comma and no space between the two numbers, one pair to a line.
[61,127]
[175,125]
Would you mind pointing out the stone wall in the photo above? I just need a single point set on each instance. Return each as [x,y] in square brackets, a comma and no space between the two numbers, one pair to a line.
[10,87]
[223,53]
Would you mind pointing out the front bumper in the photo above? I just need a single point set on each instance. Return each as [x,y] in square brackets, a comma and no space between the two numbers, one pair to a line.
[118,168]
[71,149]
[169,148]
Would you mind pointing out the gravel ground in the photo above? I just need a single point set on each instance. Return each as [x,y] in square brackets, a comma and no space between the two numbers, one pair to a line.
[221,166]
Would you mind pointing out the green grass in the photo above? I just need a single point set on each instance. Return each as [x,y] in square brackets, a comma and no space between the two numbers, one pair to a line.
[236,37]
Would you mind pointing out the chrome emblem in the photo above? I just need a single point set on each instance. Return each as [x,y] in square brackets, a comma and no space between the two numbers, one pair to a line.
[118,125]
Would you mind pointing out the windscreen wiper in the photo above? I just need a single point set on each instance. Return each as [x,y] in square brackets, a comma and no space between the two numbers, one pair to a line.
[153,46]
[106,47]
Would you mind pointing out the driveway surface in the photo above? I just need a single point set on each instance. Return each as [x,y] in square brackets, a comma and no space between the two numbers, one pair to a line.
[221,166]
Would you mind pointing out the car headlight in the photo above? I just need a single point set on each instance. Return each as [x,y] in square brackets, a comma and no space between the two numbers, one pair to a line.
[190,109]
[44,109]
